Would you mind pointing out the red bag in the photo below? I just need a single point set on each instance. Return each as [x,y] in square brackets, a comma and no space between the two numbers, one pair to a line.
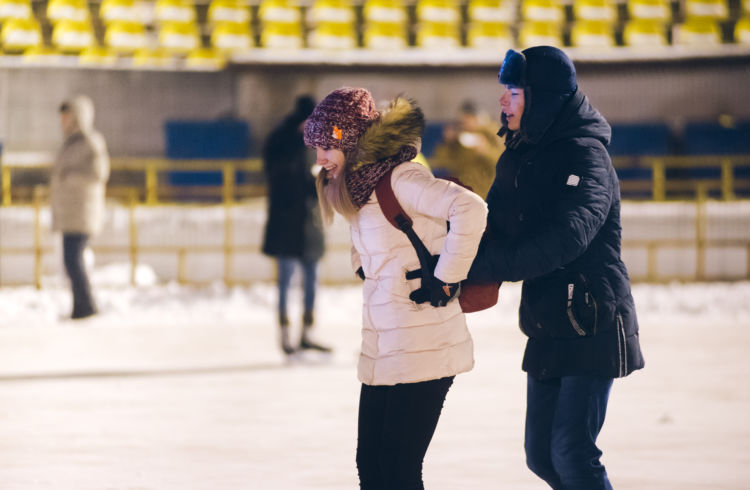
[473,296]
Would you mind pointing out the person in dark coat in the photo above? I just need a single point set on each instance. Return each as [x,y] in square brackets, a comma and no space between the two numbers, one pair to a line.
[554,217]
[294,230]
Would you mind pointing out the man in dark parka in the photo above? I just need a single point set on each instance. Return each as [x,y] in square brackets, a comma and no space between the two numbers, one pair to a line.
[554,217]
[294,230]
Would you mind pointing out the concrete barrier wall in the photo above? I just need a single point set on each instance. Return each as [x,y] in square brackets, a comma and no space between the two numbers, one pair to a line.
[202,234]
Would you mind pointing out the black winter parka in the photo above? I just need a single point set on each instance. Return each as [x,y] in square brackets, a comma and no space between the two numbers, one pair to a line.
[294,228]
[554,216]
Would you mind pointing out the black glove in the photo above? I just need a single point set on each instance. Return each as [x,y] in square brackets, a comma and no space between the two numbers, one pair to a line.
[360,273]
[436,292]
[433,290]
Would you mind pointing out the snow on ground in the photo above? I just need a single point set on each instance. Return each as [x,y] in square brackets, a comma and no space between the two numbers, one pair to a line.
[177,387]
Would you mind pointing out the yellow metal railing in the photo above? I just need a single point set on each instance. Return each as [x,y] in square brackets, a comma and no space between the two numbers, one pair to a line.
[155,189]
[726,184]
[152,187]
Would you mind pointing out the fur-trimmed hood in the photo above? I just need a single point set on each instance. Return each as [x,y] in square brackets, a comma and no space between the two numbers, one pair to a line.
[400,125]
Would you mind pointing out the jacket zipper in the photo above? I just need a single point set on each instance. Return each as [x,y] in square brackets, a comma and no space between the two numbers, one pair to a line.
[622,346]
[576,326]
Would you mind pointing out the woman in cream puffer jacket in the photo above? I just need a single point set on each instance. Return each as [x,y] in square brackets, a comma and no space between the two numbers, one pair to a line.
[410,352]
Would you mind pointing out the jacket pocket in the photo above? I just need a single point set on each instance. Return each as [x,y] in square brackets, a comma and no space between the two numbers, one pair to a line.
[581,307]
[558,306]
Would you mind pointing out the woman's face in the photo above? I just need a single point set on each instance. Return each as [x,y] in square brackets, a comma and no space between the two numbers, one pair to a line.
[331,160]
[512,104]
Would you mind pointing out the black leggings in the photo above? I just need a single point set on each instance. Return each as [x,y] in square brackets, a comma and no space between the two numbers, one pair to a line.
[396,424]
[73,246]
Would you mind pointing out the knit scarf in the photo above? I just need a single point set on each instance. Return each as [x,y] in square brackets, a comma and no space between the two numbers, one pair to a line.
[362,182]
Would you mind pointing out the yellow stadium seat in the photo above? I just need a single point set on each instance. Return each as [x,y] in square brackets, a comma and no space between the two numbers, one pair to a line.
[97,56]
[280,12]
[437,12]
[125,37]
[74,10]
[645,33]
[223,11]
[175,11]
[41,55]
[596,10]
[281,35]
[742,30]
[495,36]
[152,58]
[746,6]
[707,9]
[15,9]
[205,58]
[385,12]
[491,11]
[592,34]
[540,33]
[547,11]
[388,36]
[231,37]
[179,38]
[439,35]
[649,10]
[118,11]
[698,33]
[331,12]
[19,35]
[333,35]
[70,36]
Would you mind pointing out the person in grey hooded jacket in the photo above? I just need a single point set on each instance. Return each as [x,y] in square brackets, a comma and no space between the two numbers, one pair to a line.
[77,188]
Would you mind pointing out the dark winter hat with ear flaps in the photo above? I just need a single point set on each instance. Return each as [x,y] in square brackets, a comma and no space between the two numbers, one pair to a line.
[548,78]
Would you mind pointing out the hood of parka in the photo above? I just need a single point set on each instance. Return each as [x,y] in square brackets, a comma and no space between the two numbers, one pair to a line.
[398,129]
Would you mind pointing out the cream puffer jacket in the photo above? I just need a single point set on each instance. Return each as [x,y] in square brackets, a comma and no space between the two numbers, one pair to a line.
[79,175]
[403,342]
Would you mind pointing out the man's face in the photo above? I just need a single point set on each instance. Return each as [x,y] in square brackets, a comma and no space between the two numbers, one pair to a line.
[331,159]
[512,104]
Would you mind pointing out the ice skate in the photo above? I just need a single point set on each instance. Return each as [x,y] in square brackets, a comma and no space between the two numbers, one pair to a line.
[306,342]
[286,344]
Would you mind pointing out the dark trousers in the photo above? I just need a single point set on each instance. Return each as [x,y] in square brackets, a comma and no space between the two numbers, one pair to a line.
[563,419]
[396,424]
[310,280]
[73,246]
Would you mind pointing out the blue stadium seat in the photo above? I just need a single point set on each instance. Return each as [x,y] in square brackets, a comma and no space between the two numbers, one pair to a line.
[714,139]
[433,135]
[640,139]
[219,139]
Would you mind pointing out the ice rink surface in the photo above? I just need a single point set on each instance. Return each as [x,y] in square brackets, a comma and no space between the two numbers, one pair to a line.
[173,387]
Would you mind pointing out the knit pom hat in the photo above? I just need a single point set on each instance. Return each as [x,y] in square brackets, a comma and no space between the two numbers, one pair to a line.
[340,119]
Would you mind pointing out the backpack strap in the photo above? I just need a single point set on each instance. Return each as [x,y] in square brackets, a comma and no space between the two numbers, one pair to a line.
[397,217]
[390,206]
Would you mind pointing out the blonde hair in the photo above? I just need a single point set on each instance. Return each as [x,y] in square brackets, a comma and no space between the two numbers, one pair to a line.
[333,196]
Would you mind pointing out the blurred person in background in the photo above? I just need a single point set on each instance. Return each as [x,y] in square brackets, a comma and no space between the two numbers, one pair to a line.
[414,335]
[77,192]
[469,150]
[294,231]
[554,209]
